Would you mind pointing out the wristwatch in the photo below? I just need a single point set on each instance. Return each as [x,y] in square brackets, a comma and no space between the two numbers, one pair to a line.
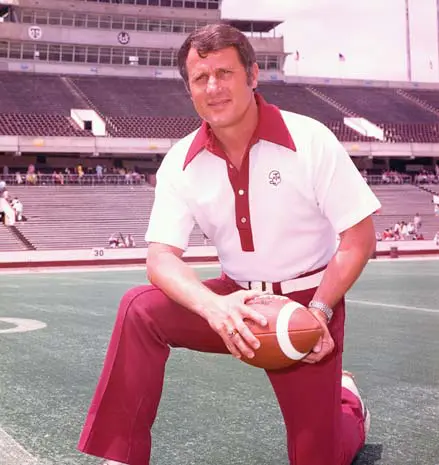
[323,308]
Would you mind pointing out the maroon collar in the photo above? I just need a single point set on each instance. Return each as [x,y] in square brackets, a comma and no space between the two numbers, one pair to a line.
[271,127]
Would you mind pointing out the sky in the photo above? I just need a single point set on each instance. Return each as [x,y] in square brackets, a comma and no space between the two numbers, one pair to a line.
[370,34]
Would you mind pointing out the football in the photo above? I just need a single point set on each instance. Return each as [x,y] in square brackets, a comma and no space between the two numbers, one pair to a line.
[291,333]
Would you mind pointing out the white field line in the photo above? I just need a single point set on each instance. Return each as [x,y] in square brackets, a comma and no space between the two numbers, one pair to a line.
[12,453]
[394,306]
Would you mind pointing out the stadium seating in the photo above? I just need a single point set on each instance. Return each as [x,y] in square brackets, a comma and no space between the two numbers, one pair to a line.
[36,93]
[147,107]
[379,105]
[296,98]
[159,127]
[400,203]
[82,217]
[20,124]
[130,97]
[8,241]
[96,212]
[431,97]
[37,105]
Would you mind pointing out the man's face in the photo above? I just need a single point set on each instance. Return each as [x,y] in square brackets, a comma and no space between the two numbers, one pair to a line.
[219,86]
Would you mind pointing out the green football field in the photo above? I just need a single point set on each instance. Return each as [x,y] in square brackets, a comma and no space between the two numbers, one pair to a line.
[215,410]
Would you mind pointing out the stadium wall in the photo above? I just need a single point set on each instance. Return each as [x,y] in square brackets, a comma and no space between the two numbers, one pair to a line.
[86,69]
[84,145]
[117,257]
[124,9]
[122,146]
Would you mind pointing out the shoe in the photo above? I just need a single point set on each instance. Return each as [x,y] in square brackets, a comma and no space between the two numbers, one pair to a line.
[348,382]
[111,462]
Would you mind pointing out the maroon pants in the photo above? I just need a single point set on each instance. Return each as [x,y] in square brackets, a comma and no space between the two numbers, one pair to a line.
[324,422]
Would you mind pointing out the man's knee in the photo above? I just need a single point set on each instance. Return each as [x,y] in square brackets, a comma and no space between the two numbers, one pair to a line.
[141,303]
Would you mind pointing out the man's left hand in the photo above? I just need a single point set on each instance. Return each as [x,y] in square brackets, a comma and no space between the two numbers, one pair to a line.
[325,345]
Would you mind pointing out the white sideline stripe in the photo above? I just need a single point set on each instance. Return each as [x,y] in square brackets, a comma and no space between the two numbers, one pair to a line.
[12,453]
[395,306]
[282,331]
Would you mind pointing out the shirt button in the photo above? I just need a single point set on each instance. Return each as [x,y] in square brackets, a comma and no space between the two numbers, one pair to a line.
[243,219]
[231,166]
[241,192]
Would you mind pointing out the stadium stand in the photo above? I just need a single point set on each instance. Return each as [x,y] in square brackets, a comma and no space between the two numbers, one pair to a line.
[145,107]
[82,217]
[125,96]
[22,124]
[94,213]
[425,97]
[145,126]
[34,93]
[379,105]
[401,203]
[37,105]
[8,241]
[118,58]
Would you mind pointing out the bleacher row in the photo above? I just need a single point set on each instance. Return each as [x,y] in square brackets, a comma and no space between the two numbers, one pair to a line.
[39,105]
[83,217]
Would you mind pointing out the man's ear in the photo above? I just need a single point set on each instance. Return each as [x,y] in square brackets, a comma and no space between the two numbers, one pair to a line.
[254,77]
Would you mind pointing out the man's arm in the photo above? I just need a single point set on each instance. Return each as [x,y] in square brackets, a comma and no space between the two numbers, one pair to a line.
[356,247]
[167,271]
[225,314]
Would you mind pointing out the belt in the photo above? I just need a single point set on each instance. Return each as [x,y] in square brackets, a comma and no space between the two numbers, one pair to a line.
[301,283]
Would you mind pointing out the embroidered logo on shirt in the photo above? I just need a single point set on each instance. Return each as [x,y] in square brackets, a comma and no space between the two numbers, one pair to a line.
[274,177]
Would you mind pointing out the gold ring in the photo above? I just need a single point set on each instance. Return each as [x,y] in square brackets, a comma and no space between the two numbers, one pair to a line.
[233,332]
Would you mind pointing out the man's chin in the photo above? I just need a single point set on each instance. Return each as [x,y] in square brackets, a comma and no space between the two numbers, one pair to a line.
[220,123]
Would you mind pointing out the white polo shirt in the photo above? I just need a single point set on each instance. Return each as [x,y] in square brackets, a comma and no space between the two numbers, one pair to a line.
[275,218]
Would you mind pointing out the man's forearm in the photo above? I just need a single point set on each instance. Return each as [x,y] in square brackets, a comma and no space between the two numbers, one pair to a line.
[354,251]
[342,272]
[179,282]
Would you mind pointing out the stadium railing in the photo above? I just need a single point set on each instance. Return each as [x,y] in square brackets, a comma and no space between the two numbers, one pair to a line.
[74,179]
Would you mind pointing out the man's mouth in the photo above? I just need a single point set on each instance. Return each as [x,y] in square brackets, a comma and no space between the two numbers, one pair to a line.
[218,103]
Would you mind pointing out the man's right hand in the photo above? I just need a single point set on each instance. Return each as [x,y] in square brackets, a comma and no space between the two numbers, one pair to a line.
[226,317]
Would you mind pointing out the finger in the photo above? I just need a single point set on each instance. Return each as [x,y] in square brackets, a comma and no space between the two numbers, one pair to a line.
[250,314]
[318,347]
[313,358]
[246,334]
[234,325]
[251,294]
[228,341]
[242,346]
[326,349]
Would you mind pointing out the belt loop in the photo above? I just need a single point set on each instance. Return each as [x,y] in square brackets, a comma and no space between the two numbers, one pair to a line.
[277,289]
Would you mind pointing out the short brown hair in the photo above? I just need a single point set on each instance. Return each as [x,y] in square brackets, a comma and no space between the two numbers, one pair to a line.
[212,38]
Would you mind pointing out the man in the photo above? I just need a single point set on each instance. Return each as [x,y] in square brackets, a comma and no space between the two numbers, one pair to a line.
[272,190]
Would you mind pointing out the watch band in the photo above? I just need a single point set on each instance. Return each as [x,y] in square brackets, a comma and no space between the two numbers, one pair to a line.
[323,308]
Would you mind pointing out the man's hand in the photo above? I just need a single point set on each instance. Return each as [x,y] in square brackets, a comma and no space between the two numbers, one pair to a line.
[325,345]
[226,318]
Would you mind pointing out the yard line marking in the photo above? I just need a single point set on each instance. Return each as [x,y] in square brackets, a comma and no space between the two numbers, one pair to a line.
[395,306]
[22,325]
[12,453]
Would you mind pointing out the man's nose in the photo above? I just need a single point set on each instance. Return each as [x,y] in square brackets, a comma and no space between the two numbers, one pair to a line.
[212,84]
